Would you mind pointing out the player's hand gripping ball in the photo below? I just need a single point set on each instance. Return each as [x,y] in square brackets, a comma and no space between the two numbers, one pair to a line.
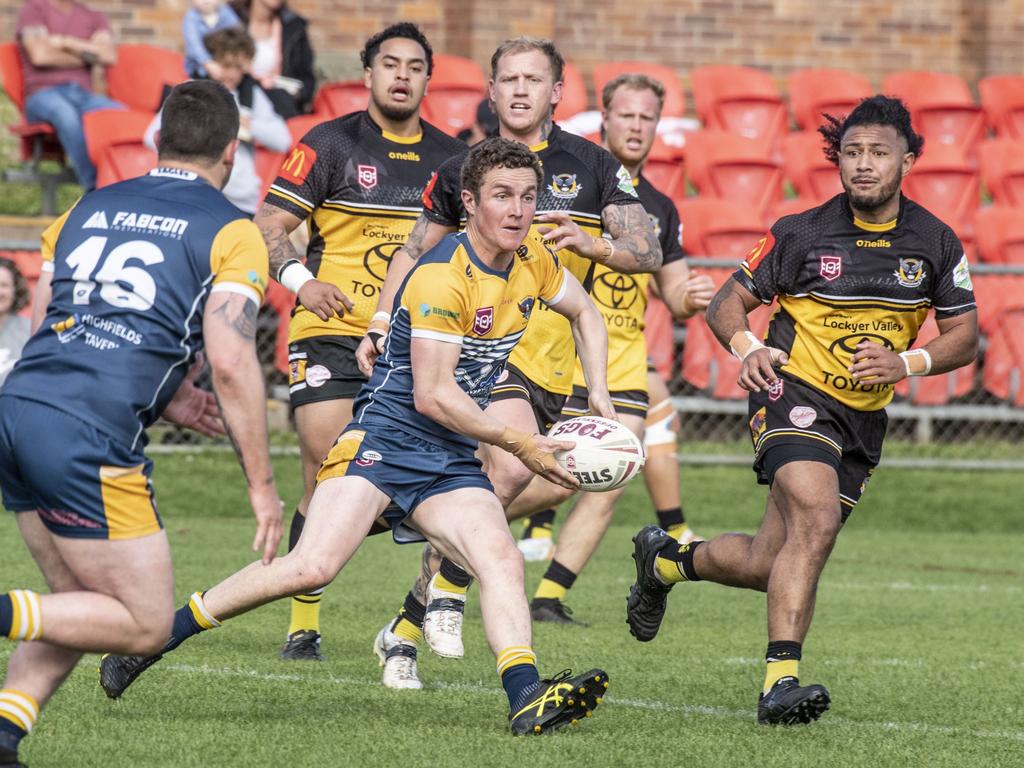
[606,456]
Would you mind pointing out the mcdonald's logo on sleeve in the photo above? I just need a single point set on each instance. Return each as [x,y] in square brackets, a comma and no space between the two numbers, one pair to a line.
[298,163]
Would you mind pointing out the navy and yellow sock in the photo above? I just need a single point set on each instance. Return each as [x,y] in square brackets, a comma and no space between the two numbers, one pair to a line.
[539,525]
[408,625]
[675,563]
[783,660]
[517,667]
[21,615]
[18,715]
[305,613]
[556,582]
[452,578]
[191,619]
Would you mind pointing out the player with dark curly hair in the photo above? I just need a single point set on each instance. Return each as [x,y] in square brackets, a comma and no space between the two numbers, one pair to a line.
[855,279]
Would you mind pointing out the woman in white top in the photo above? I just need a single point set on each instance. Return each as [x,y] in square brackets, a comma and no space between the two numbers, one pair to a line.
[14,329]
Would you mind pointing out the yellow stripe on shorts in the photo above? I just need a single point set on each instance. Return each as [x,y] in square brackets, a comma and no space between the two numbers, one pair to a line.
[127,502]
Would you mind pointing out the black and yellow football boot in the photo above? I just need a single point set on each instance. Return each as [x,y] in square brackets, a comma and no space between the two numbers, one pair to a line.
[789,703]
[562,700]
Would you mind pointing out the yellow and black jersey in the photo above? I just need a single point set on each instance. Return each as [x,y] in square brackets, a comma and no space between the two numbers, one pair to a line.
[453,297]
[840,281]
[361,188]
[580,178]
[622,298]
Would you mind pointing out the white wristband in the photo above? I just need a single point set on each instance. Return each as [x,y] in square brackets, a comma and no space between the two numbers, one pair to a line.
[923,354]
[383,317]
[294,275]
[754,345]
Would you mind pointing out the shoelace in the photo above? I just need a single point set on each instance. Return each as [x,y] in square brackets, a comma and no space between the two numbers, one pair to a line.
[449,622]
[405,668]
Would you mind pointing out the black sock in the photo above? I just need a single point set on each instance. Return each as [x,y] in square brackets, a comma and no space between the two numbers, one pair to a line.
[454,573]
[544,520]
[559,574]
[6,614]
[412,610]
[298,522]
[669,518]
[783,650]
[684,557]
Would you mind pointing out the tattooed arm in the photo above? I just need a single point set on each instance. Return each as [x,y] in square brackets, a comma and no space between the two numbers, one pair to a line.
[322,298]
[633,245]
[229,331]
[424,236]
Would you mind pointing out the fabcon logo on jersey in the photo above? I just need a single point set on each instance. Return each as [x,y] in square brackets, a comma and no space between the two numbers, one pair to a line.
[138,222]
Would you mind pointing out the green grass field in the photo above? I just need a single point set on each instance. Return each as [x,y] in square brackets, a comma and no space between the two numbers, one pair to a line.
[918,636]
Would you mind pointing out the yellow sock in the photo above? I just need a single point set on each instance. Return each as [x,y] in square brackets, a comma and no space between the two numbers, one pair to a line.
[668,570]
[540,532]
[549,589]
[19,709]
[26,615]
[677,531]
[306,612]
[514,656]
[778,670]
[406,630]
[446,586]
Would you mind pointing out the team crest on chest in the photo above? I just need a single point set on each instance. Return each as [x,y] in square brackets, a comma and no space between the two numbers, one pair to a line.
[526,307]
[831,266]
[564,186]
[483,321]
[911,273]
[367,176]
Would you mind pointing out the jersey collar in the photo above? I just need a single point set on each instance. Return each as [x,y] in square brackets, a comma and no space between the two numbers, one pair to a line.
[549,141]
[867,226]
[393,137]
[503,274]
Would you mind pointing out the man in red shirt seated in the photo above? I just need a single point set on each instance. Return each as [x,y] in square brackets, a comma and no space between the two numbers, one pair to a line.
[61,42]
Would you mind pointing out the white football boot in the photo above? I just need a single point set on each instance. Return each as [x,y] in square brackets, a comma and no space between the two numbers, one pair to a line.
[442,623]
[537,549]
[398,657]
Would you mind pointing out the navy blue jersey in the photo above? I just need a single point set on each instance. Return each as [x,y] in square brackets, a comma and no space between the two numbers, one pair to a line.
[133,265]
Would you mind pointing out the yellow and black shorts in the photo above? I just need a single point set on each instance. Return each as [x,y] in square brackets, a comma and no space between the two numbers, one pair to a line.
[512,384]
[323,368]
[796,422]
[83,483]
[627,402]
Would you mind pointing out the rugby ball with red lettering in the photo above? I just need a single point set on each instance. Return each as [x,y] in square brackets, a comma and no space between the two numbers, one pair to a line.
[606,456]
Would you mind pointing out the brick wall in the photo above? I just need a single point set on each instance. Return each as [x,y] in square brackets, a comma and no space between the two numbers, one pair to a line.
[972,37]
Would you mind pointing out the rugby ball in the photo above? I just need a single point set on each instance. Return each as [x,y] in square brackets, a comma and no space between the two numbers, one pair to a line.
[606,455]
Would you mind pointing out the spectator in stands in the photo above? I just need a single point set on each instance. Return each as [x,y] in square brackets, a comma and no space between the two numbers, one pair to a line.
[204,17]
[62,43]
[484,127]
[284,57]
[14,329]
[232,49]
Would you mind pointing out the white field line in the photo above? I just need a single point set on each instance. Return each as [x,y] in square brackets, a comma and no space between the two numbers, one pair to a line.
[649,704]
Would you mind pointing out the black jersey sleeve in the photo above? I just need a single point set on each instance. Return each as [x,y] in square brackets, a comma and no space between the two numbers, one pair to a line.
[954,292]
[762,270]
[671,235]
[616,183]
[442,197]
[309,174]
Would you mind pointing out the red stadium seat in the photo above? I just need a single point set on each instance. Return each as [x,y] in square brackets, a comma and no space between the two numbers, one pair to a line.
[944,182]
[1002,169]
[719,228]
[113,126]
[300,125]
[709,366]
[38,140]
[658,332]
[124,160]
[29,263]
[675,98]
[811,173]
[138,78]
[941,105]
[1004,359]
[665,168]
[574,93]
[741,100]
[730,167]
[1002,97]
[283,302]
[996,294]
[268,163]
[936,390]
[813,92]
[456,87]
[340,98]
[999,230]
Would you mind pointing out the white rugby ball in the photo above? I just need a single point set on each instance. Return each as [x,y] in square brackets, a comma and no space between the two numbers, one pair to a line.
[606,455]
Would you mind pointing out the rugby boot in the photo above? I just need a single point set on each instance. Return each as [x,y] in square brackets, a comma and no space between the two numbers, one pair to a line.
[442,621]
[536,549]
[648,597]
[789,703]
[398,657]
[553,610]
[562,700]
[303,645]
[118,672]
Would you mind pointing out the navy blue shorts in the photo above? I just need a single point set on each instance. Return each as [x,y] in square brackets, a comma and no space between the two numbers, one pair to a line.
[408,469]
[83,483]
